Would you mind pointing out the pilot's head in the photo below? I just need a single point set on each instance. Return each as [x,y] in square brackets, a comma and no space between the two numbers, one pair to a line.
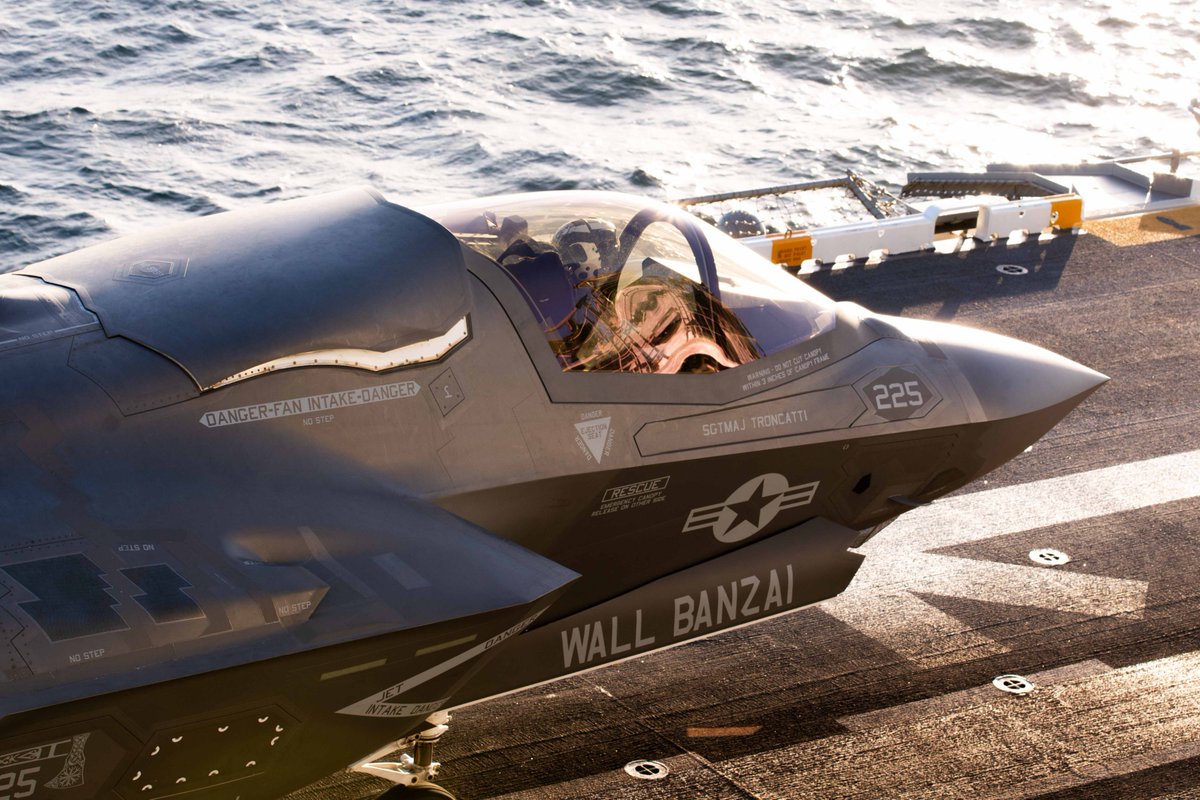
[587,246]
[511,229]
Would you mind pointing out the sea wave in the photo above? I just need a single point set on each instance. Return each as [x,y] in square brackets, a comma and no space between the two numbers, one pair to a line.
[114,116]
[919,72]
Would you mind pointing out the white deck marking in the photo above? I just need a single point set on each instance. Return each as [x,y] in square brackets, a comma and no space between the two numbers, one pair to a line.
[931,708]
[880,602]
[1071,730]
[1052,501]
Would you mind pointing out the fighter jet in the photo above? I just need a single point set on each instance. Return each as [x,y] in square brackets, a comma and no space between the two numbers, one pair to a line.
[283,486]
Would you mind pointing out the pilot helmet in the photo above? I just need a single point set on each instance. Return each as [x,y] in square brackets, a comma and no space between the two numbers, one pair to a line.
[587,246]
[738,224]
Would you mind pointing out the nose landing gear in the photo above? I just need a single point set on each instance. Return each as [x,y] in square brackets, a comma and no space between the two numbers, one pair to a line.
[412,774]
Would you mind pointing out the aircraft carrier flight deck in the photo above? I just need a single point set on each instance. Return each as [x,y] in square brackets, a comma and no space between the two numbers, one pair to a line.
[1072,570]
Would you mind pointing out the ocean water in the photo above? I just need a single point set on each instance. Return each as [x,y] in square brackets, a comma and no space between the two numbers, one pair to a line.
[116,115]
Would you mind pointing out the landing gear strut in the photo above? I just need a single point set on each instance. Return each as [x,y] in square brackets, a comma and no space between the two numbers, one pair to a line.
[412,774]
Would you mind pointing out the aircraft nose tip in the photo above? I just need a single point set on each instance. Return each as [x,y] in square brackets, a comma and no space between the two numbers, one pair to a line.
[1009,377]
[1012,378]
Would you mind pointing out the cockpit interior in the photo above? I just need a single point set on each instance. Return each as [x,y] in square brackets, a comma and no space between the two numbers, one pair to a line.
[623,284]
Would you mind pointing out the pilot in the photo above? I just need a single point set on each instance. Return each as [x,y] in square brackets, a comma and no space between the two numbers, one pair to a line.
[515,244]
[540,271]
[588,247]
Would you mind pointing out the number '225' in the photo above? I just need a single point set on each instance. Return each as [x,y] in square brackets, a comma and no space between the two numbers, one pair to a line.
[898,395]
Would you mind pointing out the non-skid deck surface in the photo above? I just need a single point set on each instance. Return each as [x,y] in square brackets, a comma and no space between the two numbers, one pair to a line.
[885,692]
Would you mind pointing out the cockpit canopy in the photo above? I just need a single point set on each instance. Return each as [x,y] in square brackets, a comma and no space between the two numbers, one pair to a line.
[621,283]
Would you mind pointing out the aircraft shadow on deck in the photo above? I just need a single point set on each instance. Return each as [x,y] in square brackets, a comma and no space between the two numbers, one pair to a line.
[902,284]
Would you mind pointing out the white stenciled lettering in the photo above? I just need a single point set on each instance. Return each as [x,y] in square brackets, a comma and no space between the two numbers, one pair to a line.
[684,615]
[634,489]
[640,641]
[906,394]
[87,655]
[725,426]
[291,609]
[709,608]
[785,370]
[596,648]
[726,603]
[592,642]
[781,418]
[593,438]
[774,598]
[736,602]
[633,495]
[574,644]
[703,617]
[307,405]
[617,647]
[403,709]
[751,582]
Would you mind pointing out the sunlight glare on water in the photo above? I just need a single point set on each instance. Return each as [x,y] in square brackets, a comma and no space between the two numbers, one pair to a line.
[114,116]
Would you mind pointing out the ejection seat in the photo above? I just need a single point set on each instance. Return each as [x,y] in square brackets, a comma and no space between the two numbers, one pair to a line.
[545,280]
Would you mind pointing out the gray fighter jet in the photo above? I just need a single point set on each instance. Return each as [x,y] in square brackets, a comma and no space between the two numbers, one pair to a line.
[282,486]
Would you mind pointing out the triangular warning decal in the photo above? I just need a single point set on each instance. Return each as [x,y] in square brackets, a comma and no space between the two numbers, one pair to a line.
[594,434]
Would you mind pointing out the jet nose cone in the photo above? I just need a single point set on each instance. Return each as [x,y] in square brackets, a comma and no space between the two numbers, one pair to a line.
[1012,378]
